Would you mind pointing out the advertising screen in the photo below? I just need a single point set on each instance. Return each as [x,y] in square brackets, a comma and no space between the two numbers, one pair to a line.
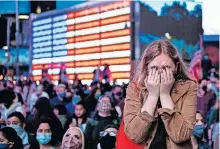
[81,40]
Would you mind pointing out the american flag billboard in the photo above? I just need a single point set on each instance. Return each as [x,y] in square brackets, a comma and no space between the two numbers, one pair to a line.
[81,39]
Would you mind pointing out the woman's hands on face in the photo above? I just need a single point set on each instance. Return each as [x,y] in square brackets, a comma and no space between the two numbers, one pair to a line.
[152,82]
[167,81]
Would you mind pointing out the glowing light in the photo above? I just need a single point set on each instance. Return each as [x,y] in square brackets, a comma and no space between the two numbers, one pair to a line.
[71,21]
[41,33]
[87,50]
[115,6]
[87,57]
[39,28]
[115,40]
[117,68]
[60,41]
[60,47]
[87,44]
[117,19]
[40,22]
[59,24]
[121,75]
[42,38]
[70,70]
[88,82]
[116,26]
[60,30]
[87,31]
[60,53]
[117,47]
[84,69]
[37,72]
[42,61]
[87,18]
[87,25]
[115,54]
[86,12]
[42,44]
[116,61]
[63,59]
[42,55]
[59,18]
[116,12]
[87,63]
[25,17]
[5,47]
[116,33]
[89,37]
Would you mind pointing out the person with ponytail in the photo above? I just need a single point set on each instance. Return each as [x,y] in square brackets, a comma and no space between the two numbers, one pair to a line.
[9,139]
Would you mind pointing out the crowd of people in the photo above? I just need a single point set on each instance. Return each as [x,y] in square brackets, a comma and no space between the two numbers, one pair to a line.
[60,116]
[78,116]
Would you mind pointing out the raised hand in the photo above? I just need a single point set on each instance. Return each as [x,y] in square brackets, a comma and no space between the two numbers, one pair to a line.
[167,81]
[152,82]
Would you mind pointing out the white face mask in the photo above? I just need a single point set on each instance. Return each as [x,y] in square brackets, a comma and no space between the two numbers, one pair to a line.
[209,86]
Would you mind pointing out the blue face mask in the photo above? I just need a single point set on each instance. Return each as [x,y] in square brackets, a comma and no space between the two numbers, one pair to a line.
[198,131]
[76,99]
[86,92]
[44,138]
[4,145]
[62,95]
[18,129]
[97,95]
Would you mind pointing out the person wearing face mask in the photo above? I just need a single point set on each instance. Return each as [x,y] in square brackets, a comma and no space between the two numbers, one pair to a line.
[103,117]
[46,136]
[198,132]
[65,97]
[43,110]
[107,138]
[74,138]
[9,139]
[9,104]
[38,94]
[17,121]
[117,94]
[203,97]
[212,86]
[61,94]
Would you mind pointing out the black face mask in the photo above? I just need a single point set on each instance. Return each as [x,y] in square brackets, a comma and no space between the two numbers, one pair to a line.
[204,88]
[119,94]
[107,142]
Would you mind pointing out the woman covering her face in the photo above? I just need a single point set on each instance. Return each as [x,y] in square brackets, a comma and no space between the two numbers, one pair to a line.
[73,139]
[161,100]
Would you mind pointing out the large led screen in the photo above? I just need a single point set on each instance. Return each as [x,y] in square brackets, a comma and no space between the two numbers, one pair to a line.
[81,40]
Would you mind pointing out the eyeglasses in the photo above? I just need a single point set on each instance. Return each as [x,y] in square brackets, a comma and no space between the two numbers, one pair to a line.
[104,133]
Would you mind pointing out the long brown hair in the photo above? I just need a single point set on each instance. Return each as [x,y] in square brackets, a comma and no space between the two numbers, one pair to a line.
[152,51]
